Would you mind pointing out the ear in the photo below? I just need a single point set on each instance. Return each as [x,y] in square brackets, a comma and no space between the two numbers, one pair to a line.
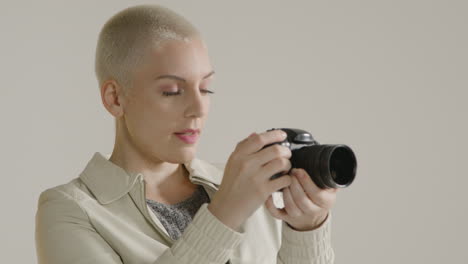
[112,97]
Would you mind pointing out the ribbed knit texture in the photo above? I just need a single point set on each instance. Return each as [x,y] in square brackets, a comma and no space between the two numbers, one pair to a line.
[303,246]
[206,240]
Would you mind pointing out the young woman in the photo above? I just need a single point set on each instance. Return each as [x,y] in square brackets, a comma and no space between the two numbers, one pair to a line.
[152,200]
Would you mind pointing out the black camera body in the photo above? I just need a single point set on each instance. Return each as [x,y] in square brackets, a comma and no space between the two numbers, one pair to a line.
[329,166]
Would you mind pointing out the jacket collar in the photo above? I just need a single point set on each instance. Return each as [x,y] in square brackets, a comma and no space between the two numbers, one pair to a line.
[108,182]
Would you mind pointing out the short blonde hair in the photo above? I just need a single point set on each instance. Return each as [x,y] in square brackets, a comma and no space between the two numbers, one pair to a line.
[128,36]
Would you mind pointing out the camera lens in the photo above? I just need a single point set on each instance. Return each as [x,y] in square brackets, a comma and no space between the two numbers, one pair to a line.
[329,166]
[342,166]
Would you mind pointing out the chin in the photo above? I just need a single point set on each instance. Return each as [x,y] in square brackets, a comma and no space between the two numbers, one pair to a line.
[184,155]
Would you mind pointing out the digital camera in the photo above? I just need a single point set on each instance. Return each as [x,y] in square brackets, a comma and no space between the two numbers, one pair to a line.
[329,166]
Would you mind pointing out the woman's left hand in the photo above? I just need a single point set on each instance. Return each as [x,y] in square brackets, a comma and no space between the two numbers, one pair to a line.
[306,206]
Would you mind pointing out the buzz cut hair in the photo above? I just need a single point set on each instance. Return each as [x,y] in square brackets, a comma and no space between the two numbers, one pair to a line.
[127,37]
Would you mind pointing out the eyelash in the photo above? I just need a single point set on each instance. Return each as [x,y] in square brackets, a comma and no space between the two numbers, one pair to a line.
[177,93]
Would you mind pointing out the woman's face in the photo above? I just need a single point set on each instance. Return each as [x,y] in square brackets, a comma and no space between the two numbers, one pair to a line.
[153,116]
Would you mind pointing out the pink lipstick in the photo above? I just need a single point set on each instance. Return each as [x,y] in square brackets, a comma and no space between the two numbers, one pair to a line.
[189,136]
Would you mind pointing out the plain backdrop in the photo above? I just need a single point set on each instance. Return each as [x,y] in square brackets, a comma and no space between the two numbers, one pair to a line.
[387,78]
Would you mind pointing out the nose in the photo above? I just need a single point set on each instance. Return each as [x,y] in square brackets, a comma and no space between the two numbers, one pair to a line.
[198,105]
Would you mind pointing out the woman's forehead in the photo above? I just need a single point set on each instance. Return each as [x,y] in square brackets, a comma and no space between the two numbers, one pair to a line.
[180,58]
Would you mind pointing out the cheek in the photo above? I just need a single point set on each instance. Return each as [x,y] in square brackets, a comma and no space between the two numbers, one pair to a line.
[158,119]
[154,129]
[148,118]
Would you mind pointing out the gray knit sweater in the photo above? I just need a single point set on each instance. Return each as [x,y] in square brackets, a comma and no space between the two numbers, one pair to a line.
[176,217]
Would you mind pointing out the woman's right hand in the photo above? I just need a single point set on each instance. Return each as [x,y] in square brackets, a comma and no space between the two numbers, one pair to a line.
[246,183]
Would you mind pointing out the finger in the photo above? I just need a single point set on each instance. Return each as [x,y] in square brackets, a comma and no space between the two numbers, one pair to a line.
[279,183]
[301,198]
[269,153]
[256,142]
[275,212]
[289,204]
[279,165]
[321,197]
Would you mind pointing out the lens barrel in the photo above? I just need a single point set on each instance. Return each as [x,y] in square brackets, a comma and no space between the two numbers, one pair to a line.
[329,166]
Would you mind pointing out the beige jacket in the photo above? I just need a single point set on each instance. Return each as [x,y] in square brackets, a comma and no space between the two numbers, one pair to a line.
[102,217]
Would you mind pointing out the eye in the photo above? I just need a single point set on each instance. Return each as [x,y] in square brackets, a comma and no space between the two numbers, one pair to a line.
[206,91]
[171,90]
[171,93]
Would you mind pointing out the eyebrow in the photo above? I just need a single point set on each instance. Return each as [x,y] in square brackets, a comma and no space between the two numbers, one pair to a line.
[169,76]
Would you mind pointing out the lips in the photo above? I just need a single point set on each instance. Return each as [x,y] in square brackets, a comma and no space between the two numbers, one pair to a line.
[189,131]
[188,136]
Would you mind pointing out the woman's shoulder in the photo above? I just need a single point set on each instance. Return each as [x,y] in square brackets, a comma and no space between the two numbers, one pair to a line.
[72,191]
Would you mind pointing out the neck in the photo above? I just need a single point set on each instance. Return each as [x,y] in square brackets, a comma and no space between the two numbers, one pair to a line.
[156,173]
